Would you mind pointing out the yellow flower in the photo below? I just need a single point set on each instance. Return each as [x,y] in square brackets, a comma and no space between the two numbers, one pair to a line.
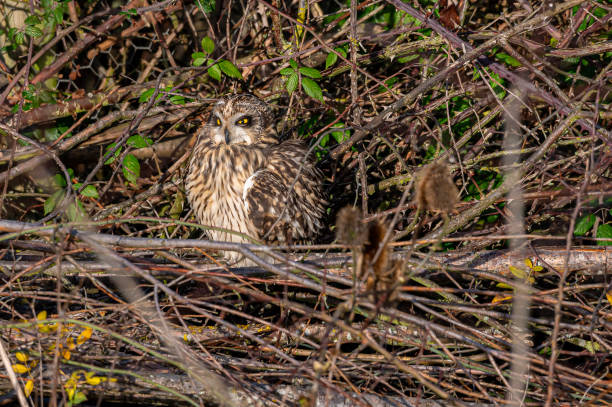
[19,368]
[21,356]
[29,386]
[84,336]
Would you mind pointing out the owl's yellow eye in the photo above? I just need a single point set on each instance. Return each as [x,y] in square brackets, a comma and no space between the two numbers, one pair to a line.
[245,121]
[218,122]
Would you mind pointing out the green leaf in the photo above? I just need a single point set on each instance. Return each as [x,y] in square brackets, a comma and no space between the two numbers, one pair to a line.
[131,168]
[389,82]
[584,25]
[475,74]
[19,37]
[584,224]
[76,212]
[114,156]
[310,72]
[198,58]
[324,140]
[605,231]
[292,83]
[287,71]
[518,273]
[230,69]
[331,59]
[508,60]
[32,20]
[497,85]
[33,31]
[146,95]
[90,191]
[340,136]
[408,58]
[177,99]
[28,94]
[293,64]
[312,89]
[137,141]
[547,350]
[600,12]
[59,180]
[592,346]
[53,200]
[177,205]
[492,218]
[79,397]
[131,12]
[58,15]
[572,60]
[208,45]
[207,6]
[588,345]
[215,72]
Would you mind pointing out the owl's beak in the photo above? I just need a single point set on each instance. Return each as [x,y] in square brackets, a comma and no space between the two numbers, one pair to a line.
[227,136]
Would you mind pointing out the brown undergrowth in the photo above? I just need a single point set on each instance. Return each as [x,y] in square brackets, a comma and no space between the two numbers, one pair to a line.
[110,293]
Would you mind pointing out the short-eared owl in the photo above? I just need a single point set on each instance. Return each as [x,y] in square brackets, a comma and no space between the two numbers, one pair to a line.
[242,178]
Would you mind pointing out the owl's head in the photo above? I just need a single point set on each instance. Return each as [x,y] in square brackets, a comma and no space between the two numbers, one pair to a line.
[239,119]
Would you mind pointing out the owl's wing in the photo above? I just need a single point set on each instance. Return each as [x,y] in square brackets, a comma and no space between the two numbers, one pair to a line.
[271,207]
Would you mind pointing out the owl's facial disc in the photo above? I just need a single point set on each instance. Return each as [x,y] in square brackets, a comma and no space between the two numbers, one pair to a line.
[236,129]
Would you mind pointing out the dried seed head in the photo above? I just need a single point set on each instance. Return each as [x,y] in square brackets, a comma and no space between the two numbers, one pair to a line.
[380,273]
[435,189]
[349,228]
[376,235]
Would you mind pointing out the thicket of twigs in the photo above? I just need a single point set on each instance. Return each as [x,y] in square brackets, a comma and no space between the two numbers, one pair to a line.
[110,293]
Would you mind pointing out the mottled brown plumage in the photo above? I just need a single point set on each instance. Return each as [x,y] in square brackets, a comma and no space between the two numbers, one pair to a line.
[241,178]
